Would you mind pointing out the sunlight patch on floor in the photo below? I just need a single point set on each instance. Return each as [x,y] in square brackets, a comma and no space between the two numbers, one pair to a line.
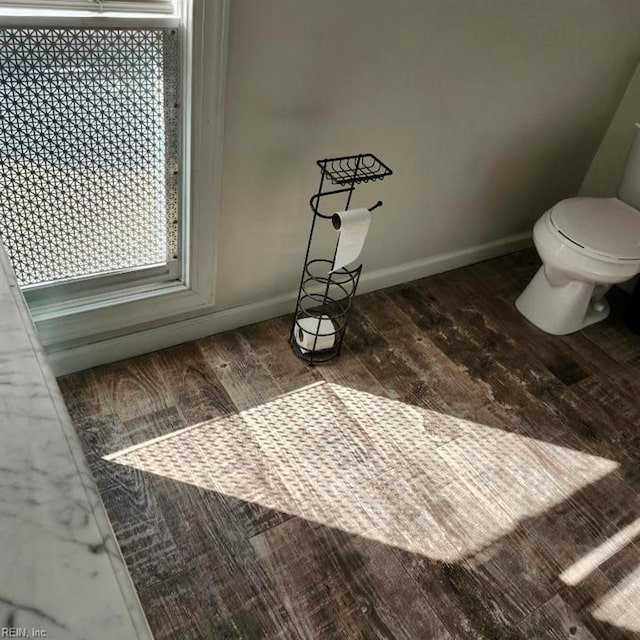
[581,569]
[416,479]
[619,606]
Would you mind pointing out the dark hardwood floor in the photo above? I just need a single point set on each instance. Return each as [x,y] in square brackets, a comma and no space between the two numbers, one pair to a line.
[456,473]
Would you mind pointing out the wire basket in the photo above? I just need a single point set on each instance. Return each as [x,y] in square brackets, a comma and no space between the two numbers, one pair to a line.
[323,310]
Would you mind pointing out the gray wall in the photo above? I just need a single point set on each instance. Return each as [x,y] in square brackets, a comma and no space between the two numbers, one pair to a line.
[607,167]
[487,110]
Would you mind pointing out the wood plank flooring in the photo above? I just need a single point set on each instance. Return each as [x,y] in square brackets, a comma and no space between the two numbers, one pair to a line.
[456,473]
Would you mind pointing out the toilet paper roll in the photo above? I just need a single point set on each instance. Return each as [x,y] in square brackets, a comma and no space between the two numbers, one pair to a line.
[353,226]
[308,328]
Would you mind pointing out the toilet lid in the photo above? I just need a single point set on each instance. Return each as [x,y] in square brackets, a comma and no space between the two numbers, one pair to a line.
[601,226]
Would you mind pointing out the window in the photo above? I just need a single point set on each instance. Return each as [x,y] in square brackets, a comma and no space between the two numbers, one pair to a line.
[93,299]
[89,149]
[91,124]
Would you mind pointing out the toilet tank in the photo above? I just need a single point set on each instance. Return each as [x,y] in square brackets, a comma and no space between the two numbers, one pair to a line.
[629,190]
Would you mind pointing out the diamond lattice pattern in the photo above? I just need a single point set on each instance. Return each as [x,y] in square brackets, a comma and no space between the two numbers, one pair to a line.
[88,150]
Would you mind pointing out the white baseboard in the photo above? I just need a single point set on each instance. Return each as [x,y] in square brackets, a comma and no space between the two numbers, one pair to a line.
[113,349]
[408,271]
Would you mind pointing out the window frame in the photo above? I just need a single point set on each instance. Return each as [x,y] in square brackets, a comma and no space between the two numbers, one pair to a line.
[108,310]
[158,7]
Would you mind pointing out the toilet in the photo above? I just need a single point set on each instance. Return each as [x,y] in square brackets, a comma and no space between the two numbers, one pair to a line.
[586,245]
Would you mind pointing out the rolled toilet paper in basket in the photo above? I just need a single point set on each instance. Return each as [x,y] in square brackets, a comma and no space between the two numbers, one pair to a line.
[308,328]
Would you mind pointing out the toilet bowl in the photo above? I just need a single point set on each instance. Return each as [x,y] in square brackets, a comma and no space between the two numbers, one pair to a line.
[586,245]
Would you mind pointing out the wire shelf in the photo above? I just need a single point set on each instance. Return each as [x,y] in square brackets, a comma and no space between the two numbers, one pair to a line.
[354,169]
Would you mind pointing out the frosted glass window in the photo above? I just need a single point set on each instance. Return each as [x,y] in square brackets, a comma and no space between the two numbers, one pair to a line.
[89,141]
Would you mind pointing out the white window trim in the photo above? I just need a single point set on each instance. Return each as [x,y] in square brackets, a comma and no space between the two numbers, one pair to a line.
[97,317]
[53,8]
[89,6]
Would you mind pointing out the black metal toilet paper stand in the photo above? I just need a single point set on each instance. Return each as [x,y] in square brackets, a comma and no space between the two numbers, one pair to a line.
[325,296]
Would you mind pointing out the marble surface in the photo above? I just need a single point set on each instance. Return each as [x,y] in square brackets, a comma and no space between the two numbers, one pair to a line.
[62,575]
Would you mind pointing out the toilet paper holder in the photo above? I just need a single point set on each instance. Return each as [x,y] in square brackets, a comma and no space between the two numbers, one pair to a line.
[324,295]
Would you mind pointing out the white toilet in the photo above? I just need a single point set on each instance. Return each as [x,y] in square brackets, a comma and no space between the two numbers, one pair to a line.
[586,245]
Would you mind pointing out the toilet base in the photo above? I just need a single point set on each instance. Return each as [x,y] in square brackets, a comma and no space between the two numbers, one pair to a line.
[560,310]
